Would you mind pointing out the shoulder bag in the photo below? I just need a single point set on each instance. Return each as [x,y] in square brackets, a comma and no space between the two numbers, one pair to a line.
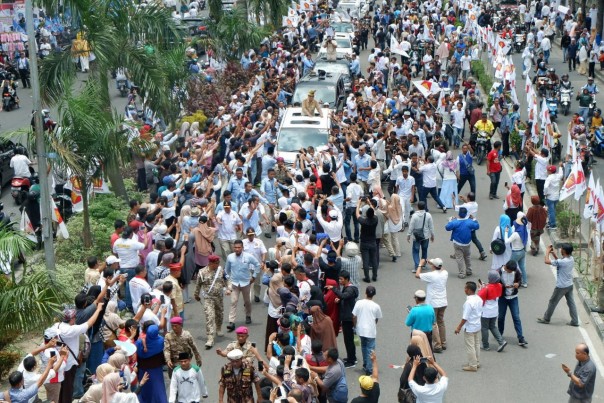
[418,234]
[469,167]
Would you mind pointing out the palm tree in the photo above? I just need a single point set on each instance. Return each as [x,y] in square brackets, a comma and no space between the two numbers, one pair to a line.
[234,33]
[119,34]
[272,10]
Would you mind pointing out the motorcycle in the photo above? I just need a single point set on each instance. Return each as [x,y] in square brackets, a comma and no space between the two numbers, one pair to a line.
[19,187]
[8,101]
[565,99]
[64,205]
[592,106]
[542,83]
[519,42]
[552,106]
[123,88]
[482,140]
[597,142]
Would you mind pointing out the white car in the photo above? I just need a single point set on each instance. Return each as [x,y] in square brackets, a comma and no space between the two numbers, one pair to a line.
[343,47]
[297,131]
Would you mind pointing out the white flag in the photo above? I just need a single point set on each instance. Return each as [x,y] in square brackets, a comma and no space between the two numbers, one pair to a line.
[588,210]
[56,217]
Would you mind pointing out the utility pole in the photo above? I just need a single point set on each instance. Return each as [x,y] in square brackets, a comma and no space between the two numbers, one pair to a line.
[49,254]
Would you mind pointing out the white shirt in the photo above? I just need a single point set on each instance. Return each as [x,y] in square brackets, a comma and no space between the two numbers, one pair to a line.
[255,248]
[304,287]
[227,230]
[472,312]
[436,288]
[430,393]
[428,172]
[367,312]
[127,251]
[404,186]
[333,229]
[70,335]
[551,188]
[20,165]
[472,208]
[353,192]
[458,116]
[490,308]
[465,62]
[189,385]
[138,287]
[540,167]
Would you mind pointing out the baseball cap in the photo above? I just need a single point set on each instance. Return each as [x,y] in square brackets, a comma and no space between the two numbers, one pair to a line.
[135,224]
[111,260]
[438,262]
[551,169]
[51,333]
[420,294]
[366,382]
[333,214]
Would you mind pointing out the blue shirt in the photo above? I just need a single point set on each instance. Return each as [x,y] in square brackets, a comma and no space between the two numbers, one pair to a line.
[241,269]
[465,161]
[461,230]
[236,187]
[421,317]
[564,268]
[362,162]
[355,67]
[245,197]
[220,207]
[271,190]
[268,162]
[23,395]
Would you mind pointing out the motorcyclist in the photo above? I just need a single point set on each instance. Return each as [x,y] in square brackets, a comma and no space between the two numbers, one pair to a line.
[579,132]
[591,86]
[584,98]
[9,87]
[484,125]
[20,163]
[507,32]
[596,121]
[565,82]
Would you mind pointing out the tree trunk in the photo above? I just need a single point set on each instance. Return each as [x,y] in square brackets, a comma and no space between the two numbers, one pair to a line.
[86,231]
[242,4]
[598,24]
[116,178]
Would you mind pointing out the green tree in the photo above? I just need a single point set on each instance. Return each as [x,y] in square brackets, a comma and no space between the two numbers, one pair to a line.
[272,10]
[119,34]
[233,34]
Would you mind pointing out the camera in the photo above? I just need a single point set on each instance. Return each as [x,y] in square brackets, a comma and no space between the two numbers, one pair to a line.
[147,299]
[423,360]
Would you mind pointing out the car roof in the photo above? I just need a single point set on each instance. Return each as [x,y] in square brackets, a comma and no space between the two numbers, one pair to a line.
[293,118]
[330,79]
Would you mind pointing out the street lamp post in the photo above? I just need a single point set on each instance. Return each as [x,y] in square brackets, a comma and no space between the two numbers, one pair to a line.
[40,145]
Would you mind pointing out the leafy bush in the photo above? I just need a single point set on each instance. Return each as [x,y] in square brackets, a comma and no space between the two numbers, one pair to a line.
[8,359]
[568,221]
[483,77]
[197,116]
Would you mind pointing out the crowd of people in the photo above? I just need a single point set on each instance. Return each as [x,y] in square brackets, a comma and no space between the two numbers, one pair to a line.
[218,196]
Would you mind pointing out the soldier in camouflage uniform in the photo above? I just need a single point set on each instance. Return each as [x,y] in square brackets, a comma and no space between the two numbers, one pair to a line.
[211,281]
[250,353]
[179,341]
[237,378]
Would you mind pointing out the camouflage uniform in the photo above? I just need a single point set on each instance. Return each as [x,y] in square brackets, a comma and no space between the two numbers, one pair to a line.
[213,301]
[174,344]
[246,349]
[239,388]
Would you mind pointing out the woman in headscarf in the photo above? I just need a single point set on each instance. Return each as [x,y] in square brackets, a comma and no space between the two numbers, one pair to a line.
[111,325]
[394,224]
[203,236]
[513,202]
[322,329]
[288,299]
[419,339]
[94,394]
[273,300]
[537,216]
[490,294]
[518,240]
[333,307]
[120,362]
[447,170]
[151,361]
[500,232]
[112,390]
[412,352]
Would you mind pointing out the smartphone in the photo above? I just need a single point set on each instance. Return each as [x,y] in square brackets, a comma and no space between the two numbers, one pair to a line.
[505,184]
[309,320]
[53,353]
[408,308]
[162,299]
[260,366]
[254,344]
[300,361]
[147,299]
[480,281]
[423,360]
[322,276]
[279,392]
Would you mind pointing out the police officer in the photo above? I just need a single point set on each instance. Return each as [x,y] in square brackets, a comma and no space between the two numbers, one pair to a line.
[211,281]
[237,378]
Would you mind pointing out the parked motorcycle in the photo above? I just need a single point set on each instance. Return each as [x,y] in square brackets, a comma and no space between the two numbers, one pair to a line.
[19,187]
[565,99]
[8,101]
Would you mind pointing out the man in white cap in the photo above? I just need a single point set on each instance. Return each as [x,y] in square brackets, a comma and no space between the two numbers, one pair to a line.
[333,227]
[237,387]
[436,296]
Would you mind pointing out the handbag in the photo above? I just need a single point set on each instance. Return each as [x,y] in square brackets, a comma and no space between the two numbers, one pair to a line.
[498,245]
[406,396]
[418,234]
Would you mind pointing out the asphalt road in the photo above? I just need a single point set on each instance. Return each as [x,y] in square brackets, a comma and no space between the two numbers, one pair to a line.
[518,374]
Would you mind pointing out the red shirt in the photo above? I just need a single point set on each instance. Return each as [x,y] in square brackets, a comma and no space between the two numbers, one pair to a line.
[493,159]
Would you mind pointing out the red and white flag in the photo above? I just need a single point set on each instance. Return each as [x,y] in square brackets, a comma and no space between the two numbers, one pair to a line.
[27,227]
[56,217]
[589,209]
[598,203]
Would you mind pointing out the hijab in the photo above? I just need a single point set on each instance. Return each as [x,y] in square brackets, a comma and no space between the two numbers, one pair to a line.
[419,339]
[111,318]
[287,298]
[322,329]
[274,285]
[111,385]
[155,343]
[520,227]
[117,360]
[395,209]
[103,370]
[504,221]
[450,162]
[515,196]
